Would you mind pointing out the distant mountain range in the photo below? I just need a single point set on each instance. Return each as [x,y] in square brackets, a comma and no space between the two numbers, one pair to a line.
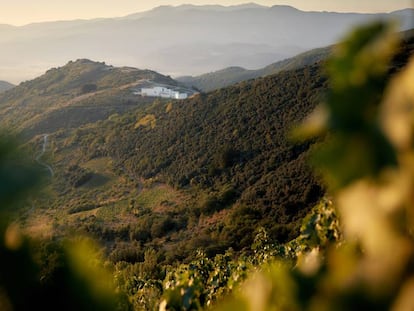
[229,76]
[4,86]
[183,40]
[232,75]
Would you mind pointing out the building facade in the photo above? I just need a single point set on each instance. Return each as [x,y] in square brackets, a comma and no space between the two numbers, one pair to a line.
[163,92]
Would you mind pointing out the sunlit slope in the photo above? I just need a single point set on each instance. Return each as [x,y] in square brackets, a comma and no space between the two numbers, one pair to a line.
[80,92]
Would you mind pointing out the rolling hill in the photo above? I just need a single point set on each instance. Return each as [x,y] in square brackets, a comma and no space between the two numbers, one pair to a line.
[80,92]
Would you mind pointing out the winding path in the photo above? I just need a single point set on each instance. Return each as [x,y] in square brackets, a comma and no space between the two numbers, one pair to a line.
[39,156]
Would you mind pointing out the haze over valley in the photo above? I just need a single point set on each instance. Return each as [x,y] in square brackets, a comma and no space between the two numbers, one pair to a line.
[177,41]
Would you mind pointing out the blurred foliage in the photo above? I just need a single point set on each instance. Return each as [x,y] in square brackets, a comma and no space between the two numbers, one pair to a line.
[17,176]
[74,278]
[368,163]
[358,76]
[206,281]
[202,282]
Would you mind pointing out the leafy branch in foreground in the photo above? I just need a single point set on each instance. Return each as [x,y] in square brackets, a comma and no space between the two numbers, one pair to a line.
[75,278]
[368,162]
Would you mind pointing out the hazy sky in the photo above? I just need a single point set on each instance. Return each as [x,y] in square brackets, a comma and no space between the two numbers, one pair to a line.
[19,12]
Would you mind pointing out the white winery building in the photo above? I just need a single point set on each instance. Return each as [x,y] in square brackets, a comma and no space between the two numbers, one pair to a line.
[159,91]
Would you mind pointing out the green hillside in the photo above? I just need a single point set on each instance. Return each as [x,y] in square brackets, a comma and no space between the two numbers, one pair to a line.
[78,93]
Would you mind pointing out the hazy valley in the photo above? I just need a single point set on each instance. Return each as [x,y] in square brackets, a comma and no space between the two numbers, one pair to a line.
[249,36]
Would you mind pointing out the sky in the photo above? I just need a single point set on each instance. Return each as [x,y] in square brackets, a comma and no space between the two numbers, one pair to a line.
[21,12]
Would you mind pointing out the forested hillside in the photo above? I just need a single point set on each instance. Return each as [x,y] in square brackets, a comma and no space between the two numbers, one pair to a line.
[221,165]
[234,141]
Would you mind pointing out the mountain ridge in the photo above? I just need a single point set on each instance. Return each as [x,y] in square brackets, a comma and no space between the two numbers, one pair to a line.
[249,5]
[232,75]
[4,86]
